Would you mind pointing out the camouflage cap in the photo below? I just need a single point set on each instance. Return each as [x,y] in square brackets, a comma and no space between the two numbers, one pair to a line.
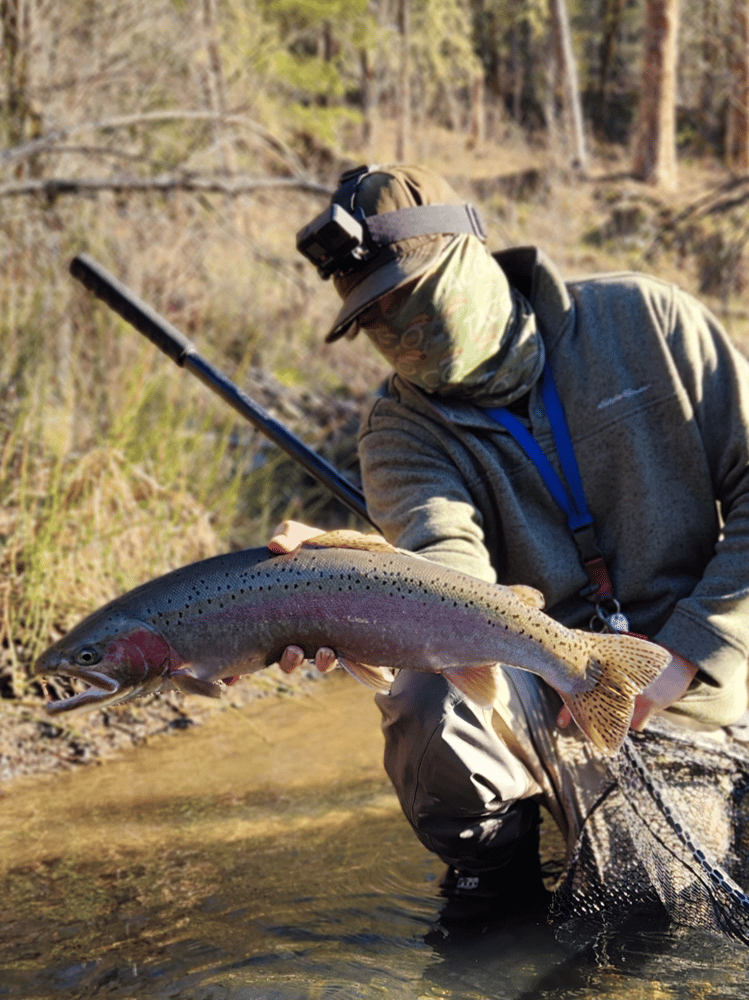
[386,189]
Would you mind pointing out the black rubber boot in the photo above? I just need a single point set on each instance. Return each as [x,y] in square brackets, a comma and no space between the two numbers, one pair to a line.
[515,885]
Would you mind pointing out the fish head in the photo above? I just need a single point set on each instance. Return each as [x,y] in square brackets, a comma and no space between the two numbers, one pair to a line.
[118,658]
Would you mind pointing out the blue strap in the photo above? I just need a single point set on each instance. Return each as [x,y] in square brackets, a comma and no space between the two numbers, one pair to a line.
[572,500]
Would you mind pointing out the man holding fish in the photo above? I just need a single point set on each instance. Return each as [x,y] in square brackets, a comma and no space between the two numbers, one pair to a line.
[551,464]
[587,439]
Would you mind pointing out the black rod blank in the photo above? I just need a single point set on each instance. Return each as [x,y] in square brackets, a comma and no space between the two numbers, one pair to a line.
[183,352]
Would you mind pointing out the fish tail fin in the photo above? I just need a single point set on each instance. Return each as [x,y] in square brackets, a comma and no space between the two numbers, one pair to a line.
[625,666]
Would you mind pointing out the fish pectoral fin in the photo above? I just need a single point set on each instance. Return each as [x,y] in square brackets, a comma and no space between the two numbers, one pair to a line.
[478,684]
[625,666]
[346,539]
[377,678]
[528,595]
[188,683]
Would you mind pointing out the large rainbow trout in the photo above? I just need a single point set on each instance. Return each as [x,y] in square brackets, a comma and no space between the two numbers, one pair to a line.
[378,607]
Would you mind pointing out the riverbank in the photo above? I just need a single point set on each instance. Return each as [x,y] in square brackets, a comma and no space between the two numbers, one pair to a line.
[33,743]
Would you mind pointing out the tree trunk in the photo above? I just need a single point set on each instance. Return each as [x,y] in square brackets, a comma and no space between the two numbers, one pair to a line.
[17,25]
[655,143]
[215,83]
[737,123]
[711,46]
[478,112]
[568,68]
[516,90]
[612,19]
[369,101]
[404,83]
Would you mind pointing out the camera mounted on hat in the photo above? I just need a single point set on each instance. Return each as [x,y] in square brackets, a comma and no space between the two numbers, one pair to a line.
[342,238]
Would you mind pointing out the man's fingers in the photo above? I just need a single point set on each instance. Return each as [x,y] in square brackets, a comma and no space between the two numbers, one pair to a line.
[325,659]
[644,708]
[291,658]
[289,535]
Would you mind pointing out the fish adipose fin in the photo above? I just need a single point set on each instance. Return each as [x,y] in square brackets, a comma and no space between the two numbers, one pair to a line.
[345,539]
[478,684]
[627,666]
[190,684]
[377,678]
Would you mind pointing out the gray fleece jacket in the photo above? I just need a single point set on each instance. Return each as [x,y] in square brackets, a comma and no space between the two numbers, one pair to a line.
[657,403]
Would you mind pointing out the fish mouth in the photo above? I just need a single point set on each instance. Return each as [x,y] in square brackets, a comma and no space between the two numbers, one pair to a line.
[99,690]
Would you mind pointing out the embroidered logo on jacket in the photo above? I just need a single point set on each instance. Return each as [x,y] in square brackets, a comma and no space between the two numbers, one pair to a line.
[626,394]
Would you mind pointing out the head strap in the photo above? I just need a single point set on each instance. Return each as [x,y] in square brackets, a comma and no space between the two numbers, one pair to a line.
[342,237]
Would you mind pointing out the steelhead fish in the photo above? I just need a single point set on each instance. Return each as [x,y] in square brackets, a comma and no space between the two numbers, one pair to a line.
[378,607]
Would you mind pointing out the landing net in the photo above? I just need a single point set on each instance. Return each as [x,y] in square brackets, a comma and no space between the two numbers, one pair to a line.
[670,831]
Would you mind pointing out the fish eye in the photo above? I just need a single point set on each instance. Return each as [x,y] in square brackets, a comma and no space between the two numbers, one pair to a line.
[87,656]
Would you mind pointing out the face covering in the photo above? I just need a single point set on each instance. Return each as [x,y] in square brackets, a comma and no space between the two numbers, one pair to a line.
[461,330]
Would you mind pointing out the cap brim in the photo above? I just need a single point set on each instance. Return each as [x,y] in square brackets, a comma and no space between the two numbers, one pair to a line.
[377,281]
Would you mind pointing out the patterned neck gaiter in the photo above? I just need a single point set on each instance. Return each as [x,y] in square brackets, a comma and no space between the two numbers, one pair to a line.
[462,331]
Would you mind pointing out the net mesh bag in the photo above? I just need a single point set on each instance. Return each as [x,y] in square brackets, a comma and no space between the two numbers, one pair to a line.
[670,832]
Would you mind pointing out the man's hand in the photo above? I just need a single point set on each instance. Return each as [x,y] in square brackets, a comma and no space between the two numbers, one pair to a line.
[668,687]
[287,536]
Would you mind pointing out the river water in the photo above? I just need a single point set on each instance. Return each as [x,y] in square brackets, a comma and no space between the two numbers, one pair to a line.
[263,856]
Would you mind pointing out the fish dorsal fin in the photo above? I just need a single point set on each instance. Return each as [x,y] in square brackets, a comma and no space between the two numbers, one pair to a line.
[345,539]
[377,678]
[478,684]
[528,595]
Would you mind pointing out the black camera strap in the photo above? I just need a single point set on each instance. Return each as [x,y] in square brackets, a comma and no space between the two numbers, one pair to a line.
[342,237]
[404,223]
[423,220]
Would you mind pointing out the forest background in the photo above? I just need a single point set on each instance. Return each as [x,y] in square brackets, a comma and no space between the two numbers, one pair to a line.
[182,144]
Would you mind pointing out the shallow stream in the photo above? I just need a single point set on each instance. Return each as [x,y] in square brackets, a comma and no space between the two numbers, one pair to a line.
[263,856]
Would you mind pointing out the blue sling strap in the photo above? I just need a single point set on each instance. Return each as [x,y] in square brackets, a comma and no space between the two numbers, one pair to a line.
[571,500]
[570,496]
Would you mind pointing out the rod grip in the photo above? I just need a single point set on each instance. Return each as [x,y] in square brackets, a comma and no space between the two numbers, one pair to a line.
[182,351]
[132,309]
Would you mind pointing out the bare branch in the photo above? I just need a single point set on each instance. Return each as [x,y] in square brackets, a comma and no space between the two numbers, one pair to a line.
[49,142]
[53,187]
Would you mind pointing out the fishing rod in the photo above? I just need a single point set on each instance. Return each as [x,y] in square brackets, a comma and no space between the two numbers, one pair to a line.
[184,353]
